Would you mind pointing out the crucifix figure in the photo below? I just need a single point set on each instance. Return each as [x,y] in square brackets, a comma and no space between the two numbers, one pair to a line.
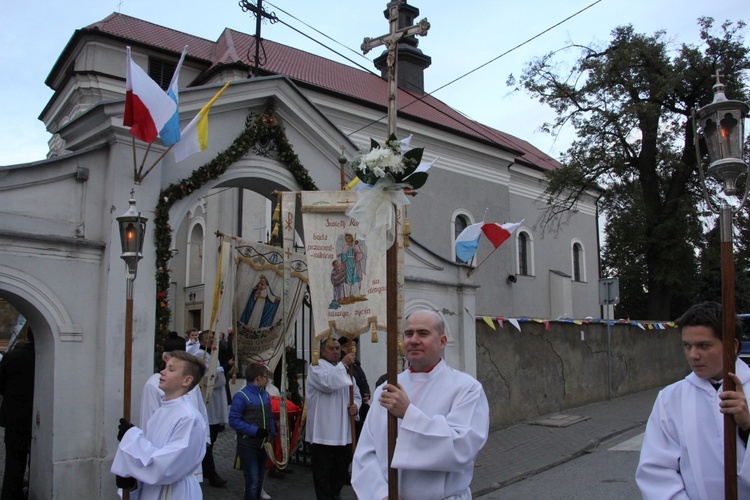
[260,14]
[390,41]
[394,258]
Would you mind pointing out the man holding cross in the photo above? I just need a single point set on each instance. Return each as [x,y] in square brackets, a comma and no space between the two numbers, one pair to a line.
[443,423]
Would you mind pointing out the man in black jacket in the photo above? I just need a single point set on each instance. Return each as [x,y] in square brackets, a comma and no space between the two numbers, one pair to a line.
[361,380]
[17,390]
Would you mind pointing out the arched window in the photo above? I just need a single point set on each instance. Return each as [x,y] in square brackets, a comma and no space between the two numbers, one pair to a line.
[195,256]
[461,220]
[525,252]
[579,269]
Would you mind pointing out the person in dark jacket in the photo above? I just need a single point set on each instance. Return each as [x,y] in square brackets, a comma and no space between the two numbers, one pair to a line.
[361,379]
[174,342]
[17,390]
[252,418]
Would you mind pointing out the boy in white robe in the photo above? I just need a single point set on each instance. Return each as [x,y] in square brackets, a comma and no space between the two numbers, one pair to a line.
[152,397]
[682,456]
[443,423]
[175,441]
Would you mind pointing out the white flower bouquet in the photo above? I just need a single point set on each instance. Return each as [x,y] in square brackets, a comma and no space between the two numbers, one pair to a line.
[393,158]
[387,171]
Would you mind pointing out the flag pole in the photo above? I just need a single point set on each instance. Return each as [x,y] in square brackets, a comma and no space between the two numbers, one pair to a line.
[135,163]
[471,271]
[143,162]
[157,161]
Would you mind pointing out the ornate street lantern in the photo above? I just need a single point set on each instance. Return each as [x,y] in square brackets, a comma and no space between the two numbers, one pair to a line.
[132,234]
[722,125]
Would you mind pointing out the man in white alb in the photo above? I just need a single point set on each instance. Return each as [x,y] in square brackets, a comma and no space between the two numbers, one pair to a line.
[328,411]
[682,456]
[443,423]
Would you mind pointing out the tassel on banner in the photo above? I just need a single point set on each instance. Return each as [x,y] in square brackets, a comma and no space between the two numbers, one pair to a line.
[400,347]
[315,355]
[407,232]
[374,337]
[276,219]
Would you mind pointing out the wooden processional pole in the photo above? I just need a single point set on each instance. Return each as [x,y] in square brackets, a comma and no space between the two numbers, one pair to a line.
[393,254]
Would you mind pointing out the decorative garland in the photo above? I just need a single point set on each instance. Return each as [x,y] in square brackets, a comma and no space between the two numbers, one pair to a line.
[259,129]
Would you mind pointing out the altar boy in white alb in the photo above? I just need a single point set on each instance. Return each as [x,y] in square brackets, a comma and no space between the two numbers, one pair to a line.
[443,423]
[163,460]
[683,449]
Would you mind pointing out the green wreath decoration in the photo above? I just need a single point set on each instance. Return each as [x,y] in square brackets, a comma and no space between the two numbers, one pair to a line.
[262,128]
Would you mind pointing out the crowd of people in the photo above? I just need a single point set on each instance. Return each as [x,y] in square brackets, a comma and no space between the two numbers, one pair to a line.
[442,420]
[171,451]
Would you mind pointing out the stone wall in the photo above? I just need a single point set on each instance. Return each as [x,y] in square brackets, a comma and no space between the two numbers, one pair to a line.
[536,371]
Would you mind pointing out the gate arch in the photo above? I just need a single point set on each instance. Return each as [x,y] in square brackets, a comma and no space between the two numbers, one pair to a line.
[51,323]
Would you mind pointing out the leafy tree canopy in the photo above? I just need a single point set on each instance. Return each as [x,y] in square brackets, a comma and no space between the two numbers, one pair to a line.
[630,105]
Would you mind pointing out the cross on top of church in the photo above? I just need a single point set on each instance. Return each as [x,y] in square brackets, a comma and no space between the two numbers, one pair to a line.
[260,14]
[390,41]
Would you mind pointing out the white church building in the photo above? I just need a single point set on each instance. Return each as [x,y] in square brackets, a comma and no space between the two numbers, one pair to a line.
[59,240]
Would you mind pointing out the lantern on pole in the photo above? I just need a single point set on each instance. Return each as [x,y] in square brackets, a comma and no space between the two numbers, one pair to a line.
[132,233]
[721,124]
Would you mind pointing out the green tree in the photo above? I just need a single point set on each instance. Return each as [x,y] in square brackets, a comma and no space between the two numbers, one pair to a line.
[630,106]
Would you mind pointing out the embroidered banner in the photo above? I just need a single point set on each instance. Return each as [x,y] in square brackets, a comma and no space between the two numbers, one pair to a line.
[347,281]
[259,289]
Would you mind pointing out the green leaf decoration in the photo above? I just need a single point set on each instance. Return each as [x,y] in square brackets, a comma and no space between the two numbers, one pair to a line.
[417,180]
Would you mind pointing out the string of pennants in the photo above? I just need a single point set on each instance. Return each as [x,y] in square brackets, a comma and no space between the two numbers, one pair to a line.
[516,322]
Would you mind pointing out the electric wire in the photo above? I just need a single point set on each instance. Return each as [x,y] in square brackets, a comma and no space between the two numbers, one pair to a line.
[418,98]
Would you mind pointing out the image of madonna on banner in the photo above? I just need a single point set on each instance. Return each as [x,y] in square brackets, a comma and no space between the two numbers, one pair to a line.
[258,292]
[347,280]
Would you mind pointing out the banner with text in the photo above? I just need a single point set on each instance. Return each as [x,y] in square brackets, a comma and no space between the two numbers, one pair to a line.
[347,282]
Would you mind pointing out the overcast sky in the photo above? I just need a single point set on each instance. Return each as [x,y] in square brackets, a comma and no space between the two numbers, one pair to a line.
[463,36]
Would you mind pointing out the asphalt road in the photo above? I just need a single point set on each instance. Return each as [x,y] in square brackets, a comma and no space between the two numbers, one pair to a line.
[606,473]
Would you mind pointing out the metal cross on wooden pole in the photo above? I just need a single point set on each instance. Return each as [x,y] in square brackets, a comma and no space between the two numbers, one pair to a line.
[390,41]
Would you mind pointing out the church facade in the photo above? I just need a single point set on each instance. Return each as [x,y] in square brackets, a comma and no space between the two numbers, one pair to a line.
[62,269]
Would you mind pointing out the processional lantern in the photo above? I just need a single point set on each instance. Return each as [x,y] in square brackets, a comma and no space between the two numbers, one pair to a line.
[722,126]
[132,234]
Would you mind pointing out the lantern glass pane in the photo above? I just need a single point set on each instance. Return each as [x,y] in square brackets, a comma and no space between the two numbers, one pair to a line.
[713,143]
[730,140]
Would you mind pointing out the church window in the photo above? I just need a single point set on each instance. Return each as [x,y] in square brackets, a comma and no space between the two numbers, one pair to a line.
[578,266]
[161,71]
[525,252]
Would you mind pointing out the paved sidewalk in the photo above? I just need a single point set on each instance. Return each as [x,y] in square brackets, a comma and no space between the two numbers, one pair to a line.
[511,453]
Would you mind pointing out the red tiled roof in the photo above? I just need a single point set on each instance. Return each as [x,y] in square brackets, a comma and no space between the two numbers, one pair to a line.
[311,70]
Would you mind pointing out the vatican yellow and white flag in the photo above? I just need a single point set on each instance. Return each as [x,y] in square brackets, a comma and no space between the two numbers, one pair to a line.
[347,280]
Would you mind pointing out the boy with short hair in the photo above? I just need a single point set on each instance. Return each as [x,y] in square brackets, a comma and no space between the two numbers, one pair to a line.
[175,441]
